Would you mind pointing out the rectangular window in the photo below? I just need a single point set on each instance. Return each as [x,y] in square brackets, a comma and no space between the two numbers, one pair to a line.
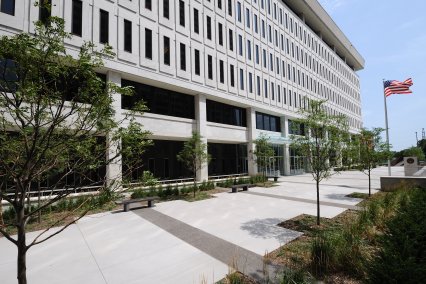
[196,22]
[240,45]
[221,72]
[250,82]
[279,93]
[257,54]
[263,29]
[239,12]
[241,79]
[148,43]
[210,67]
[248,18]
[220,31]
[148,4]
[230,7]
[272,91]
[181,13]
[258,85]
[264,59]
[219,4]
[182,57]
[248,49]
[209,28]
[256,30]
[77,17]
[265,84]
[166,50]
[231,74]
[8,7]
[44,10]
[226,114]
[197,62]
[166,9]
[231,40]
[271,62]
[268,122]
[127,36]
[103,26]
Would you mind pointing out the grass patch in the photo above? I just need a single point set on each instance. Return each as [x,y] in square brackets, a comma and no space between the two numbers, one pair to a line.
[358,195]
[266,184]
[236,278]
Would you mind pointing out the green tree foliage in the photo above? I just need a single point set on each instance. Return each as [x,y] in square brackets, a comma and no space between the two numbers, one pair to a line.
[325,134]
[372,151]
[402,258]
[194,155]
[263,153]
[422,145]
[56,124]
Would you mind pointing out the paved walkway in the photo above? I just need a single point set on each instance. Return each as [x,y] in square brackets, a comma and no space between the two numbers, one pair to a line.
[184,242]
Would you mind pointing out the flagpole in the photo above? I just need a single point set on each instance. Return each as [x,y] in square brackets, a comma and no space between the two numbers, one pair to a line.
[387,127]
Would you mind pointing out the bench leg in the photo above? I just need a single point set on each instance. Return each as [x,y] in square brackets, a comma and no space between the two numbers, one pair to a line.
[126,207]
[150,203]
[234,190]
[275,178]
[245,188]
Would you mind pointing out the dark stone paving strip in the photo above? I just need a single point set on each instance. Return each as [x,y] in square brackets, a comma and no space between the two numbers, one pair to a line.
[339,205]
[230,254]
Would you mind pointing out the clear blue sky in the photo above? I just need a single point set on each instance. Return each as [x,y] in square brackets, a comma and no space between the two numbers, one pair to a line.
[391,36]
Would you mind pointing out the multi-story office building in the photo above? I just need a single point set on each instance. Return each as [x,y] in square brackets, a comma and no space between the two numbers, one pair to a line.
[229,69]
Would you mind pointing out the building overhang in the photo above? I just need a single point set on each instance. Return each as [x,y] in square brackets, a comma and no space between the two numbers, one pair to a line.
[323,25]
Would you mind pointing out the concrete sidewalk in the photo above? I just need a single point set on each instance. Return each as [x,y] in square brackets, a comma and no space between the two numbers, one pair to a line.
[183,242]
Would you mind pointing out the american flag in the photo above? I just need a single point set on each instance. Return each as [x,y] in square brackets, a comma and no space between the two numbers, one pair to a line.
[396,87]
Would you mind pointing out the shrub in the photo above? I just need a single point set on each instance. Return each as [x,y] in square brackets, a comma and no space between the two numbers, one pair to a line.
[139,193]
[324,252]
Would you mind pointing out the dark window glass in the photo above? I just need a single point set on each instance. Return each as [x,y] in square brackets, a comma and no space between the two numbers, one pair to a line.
[209,28]
[196,23]
[231,40]
[221,72]
[268,122]
[239,11]
[225,114]
[220,31]
[182,57]
[230,7]
[127,36]
[240,44]
[250,80]
[103,26]
[227,159]
[295,127]
[148,43]
[8,75]
[159,101]
[166,50]
[181,13]
[8,7]
[219,4]
[166,9]
[231,70]
[44,10]
[210,67]
[148,4]
[197,62]
[77,17]
[241,79]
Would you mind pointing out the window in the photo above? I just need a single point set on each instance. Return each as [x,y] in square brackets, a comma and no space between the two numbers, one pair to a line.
[240,45]
[250,82]
[248,49]
[257,54]
[148,43]
[271,62]
[77,17]
[166,50]
[197,62]
[196,23]
[44,10]
[263,29]
[255,24]
[220,32]
[103,26]
[279,93]
[239,12]
[230,7]
[209,28]
[258,85]
[181,13]
[265,84]
[127,36]
[8,7]
[264,59]
[268,122]
[248,18]
[231,74]
[241,79]
[295,127]
[166,9]
[221,72]
[182,57]
[231,40]
[272,91]
[219,4]
[225,114]
[210,67]
[148,4]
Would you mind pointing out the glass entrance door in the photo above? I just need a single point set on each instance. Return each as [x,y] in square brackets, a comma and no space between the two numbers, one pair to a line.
[297,163]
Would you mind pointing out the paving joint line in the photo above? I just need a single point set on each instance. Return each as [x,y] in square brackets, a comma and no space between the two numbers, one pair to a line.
[239,258]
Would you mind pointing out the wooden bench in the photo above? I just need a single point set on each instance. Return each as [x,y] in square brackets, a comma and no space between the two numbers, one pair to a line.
[126,203]
[274,177]
[236,186]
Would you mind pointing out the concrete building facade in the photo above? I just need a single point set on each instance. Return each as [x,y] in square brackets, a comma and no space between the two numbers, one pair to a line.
[229,69]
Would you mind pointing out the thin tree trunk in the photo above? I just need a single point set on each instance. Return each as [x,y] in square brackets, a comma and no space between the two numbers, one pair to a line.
[369,183]
[1,212]
[195,185]
[318,204]
[22,248]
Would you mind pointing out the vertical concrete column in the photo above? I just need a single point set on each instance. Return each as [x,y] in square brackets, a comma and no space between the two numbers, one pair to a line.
[114,169]
[251,136]
[287,159]
[201,117]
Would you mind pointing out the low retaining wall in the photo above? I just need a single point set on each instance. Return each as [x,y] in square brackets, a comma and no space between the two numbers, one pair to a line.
[391,183]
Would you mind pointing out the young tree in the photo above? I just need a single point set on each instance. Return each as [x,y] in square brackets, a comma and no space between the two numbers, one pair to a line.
[194,155]
[372,150]
[263,153]
[56,125]
[324,133]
